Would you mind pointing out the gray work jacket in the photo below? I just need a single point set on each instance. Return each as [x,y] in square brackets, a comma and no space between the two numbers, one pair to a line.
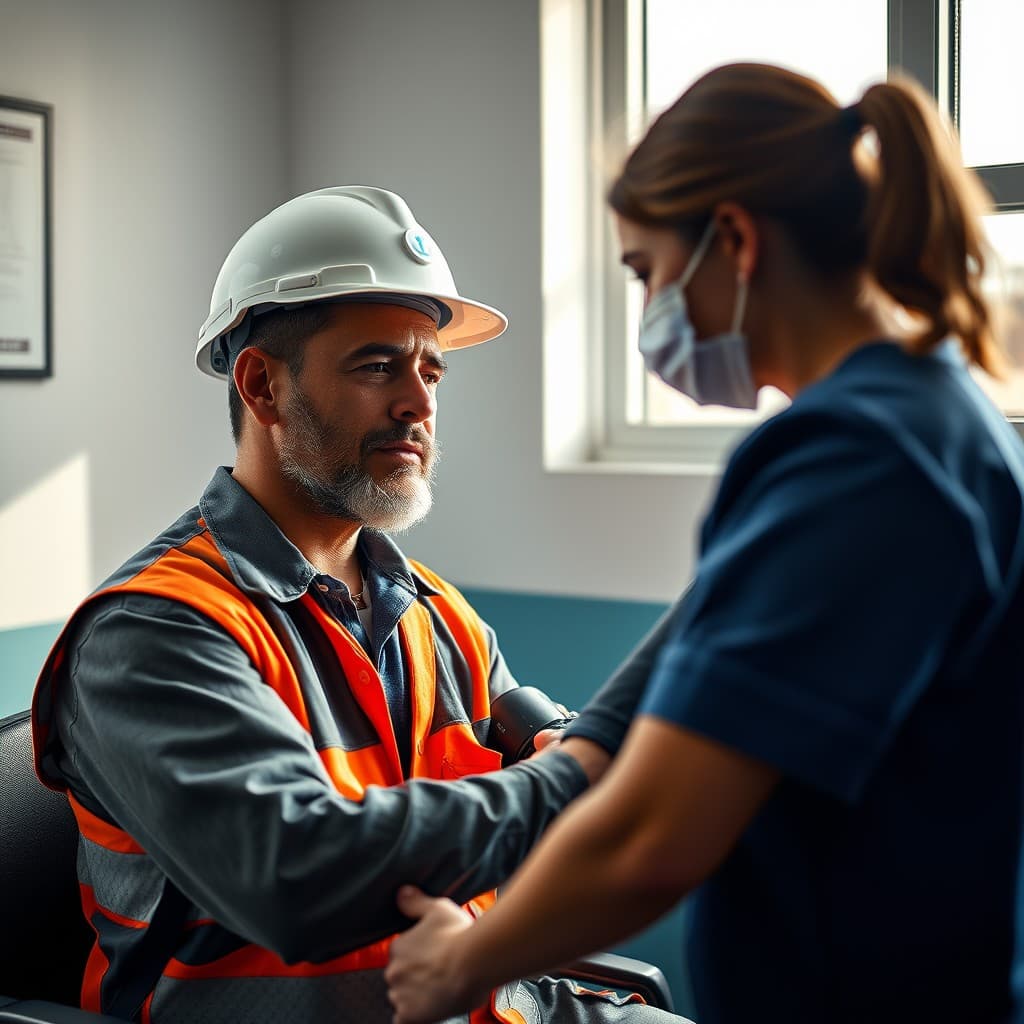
[164,727]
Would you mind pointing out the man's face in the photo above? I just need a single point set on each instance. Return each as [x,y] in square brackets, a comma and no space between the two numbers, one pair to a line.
[356,433]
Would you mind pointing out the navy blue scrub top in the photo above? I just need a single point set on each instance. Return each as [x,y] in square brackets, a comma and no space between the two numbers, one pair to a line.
[857,622]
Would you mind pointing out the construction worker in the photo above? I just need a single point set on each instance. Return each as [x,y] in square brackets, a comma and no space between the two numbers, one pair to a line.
[249,715]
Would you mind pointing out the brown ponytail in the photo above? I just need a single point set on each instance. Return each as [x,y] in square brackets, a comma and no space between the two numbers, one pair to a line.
[781,145]
[926,246]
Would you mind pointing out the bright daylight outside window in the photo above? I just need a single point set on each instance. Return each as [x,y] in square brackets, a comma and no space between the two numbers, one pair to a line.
[992,135]
[845,45]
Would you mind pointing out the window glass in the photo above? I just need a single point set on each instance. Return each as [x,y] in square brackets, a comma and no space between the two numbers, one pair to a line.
[1004,284]
[843,45]
[991,125]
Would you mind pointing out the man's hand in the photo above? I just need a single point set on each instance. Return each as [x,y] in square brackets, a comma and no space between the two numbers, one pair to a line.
[424,980]
[590,756]
[549,739]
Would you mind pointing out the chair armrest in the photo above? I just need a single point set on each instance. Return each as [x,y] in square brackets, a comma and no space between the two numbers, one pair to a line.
[611,970]
[39,1011]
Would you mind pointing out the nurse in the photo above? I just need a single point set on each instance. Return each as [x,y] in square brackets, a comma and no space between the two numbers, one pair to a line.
[828,748]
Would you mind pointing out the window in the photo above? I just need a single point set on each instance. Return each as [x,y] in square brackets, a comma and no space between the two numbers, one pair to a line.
[842,44]
[643,53]
[963,52]
[987,89]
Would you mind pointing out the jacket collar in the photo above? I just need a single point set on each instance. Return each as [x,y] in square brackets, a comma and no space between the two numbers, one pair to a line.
[264,561]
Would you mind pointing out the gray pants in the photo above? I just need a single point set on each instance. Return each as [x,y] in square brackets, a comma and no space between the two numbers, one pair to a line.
[544,1000]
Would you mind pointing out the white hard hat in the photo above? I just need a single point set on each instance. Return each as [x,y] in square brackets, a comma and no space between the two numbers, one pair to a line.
[336,242]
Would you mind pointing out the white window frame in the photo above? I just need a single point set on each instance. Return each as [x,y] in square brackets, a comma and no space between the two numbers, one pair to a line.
[585,98]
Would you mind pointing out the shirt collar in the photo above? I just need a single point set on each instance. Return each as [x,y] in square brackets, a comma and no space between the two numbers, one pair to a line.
[264,561]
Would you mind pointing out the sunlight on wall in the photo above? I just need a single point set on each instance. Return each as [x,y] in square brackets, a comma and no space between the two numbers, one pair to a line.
[44,548]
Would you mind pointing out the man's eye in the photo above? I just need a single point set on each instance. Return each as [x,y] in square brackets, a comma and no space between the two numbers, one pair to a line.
[375,367]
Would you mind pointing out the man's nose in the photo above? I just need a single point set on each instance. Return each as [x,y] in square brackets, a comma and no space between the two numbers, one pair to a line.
[415,401]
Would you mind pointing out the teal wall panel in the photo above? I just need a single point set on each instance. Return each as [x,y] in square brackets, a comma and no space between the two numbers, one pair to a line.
[568,646]
[22,653]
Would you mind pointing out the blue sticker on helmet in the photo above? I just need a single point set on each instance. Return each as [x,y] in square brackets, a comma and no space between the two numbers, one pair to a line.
[420,245]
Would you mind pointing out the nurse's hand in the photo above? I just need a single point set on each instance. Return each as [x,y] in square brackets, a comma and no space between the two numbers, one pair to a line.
[425,982]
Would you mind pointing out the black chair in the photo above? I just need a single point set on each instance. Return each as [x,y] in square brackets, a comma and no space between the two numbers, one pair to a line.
[44,939]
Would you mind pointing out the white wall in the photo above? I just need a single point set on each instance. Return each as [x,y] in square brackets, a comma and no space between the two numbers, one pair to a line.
[167,127]
[177,125]
[440,101]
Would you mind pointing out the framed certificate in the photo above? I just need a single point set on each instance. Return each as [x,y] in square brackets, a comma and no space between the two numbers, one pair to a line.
[25,238]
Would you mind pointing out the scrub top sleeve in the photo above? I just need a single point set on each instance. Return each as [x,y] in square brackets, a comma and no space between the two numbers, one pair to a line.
[832,573]
[607,716]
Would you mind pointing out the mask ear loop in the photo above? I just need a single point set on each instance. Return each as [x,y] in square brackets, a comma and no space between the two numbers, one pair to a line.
[741,303]
[698,253]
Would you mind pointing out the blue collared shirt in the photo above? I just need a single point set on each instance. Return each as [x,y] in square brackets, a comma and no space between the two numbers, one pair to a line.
[392,589]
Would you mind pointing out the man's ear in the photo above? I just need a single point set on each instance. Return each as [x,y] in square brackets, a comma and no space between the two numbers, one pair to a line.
[255,375]
[740,237]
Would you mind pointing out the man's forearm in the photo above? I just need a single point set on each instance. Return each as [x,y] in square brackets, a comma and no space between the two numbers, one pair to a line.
[456,839]
[314,876]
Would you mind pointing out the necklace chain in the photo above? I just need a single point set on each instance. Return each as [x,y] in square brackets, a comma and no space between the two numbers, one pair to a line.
[357,599]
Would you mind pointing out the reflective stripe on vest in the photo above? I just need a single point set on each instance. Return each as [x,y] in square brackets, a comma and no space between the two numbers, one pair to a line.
[291,647]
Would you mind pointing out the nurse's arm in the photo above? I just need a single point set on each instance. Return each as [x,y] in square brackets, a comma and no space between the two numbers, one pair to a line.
[668,812]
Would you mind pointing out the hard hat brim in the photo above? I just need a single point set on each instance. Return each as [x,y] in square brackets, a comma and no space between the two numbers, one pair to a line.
[472,322]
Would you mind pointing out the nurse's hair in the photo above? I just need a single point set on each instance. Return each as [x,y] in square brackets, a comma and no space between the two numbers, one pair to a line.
[895,200]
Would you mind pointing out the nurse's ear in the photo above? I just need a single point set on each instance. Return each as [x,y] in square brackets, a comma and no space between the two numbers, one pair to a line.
[740,237]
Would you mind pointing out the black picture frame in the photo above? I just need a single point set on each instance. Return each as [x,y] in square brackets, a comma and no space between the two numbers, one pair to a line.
[26,346]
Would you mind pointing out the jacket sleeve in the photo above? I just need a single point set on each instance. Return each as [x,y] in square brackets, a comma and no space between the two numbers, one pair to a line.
[166,728]
[608,714]
[500,679]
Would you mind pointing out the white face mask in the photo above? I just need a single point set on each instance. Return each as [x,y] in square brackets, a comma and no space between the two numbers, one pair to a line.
[715,371]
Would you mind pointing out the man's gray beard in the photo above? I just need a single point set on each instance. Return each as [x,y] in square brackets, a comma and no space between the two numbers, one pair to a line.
[402,499]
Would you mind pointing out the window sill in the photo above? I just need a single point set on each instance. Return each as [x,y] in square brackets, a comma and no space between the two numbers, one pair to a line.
[634,467]
[614,465]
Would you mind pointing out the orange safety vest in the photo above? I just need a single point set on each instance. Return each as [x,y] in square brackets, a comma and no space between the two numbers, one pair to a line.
[111,862]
